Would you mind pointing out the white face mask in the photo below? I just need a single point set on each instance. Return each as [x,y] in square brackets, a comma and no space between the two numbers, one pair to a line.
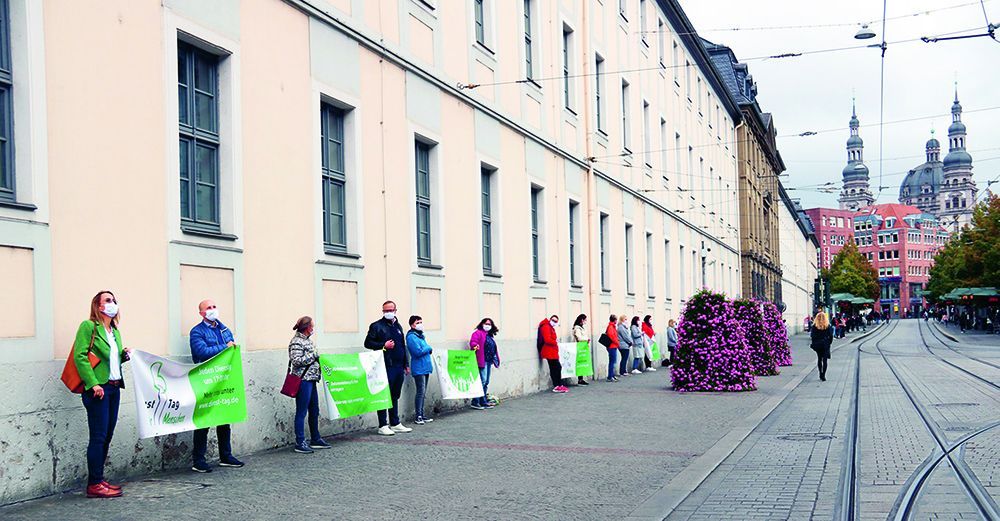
[419,326]
[110,309]
[389,315]
[212,314]
[554,323]
[487,327]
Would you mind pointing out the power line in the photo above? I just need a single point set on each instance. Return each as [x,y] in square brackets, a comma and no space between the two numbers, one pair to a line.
[881,105]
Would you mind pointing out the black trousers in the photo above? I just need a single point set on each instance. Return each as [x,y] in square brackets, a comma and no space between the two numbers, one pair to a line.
[200,443]
[555,371]
[396,377]
[821,364]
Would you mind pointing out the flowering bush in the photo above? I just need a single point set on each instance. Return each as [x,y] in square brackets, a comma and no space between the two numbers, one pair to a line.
[712,352]
[751,317]
[776,334]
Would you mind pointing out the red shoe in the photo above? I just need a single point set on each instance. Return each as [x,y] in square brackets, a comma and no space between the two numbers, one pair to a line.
[112,487]
[101,491]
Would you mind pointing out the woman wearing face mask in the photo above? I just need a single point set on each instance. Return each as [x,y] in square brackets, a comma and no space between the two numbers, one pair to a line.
[580,335]
[102,385]
[624,344]
[304,361]
[549,344]
[483,342]
[638,346]
[421,366]
[612,333]
[648,337]
[671,341]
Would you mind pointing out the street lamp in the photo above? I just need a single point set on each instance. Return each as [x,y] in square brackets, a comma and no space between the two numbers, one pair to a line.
[864,33]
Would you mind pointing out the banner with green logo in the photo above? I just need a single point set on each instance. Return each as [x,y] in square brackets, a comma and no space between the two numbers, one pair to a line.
[655,348]
[172,397]
[356,383]
[458,374]
[584,366]
[574,357]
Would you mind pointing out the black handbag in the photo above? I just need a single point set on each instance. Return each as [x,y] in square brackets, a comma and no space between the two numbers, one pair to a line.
[605,340]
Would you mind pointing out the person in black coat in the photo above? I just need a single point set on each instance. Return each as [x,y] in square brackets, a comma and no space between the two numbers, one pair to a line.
[821,336]
[386,335]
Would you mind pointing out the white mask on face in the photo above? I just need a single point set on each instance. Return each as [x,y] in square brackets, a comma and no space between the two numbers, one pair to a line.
[212,314]
[554,323]
[419,326]
[110,309]
[487,327]
[389,315]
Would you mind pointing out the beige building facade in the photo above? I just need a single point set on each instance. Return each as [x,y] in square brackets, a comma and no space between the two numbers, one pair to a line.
[317,157]
[798,249]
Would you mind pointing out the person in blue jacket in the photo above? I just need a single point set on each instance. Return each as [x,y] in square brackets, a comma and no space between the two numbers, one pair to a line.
[209,338]
[421,366]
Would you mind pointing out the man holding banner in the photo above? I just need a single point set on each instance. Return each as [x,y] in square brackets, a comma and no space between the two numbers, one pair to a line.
[209,338]
[386,335]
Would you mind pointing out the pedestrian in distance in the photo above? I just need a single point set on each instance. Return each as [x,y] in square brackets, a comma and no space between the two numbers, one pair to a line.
[648,337]
[624,345]
[580,335]
[671,339]
[386,335]
[483,341]
[821,337]
[303,360]
[102,384]
[612,333]
[421,366]
[548,342]
[208,338]
[638,345]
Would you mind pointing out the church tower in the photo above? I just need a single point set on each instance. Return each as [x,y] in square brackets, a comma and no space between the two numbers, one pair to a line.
[958,192]
[856,193]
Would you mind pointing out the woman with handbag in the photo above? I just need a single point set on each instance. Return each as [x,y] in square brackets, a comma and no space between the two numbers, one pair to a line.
[303,363]
[102,385]
[821,337]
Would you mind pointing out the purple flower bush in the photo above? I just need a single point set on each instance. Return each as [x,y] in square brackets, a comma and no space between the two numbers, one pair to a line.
[776,334]
[712,352]
[751,317]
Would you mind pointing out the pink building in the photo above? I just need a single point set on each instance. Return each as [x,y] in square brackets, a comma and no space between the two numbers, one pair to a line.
[900,241]
[833,229]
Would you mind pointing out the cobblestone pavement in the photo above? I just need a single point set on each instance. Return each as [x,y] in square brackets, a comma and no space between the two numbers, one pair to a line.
[630,450]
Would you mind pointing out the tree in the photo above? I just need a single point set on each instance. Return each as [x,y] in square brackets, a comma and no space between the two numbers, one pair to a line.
[971,258]
[850,272]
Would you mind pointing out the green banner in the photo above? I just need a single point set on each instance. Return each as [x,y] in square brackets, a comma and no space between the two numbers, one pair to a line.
[356,383]
[584,367]
[655,348]
[458,374]
[218,389]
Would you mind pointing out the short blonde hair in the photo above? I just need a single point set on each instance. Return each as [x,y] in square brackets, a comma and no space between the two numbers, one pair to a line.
[623,318]
[822,320]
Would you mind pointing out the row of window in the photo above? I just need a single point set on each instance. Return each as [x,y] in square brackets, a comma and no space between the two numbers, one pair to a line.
[8,190]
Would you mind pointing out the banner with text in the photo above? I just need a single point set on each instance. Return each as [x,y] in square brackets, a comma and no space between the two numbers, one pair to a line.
[174,397]
[356,383]
[655,348]
[575,359]
[458,374]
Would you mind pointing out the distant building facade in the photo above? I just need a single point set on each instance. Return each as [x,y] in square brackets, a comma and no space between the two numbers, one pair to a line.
[833,228]
[798,247]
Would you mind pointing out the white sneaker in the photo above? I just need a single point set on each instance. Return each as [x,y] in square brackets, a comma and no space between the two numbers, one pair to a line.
[385,431]
[636,371]
[400,428]
[650,369]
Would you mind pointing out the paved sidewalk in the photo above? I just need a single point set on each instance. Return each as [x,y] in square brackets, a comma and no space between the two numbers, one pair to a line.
[595,453]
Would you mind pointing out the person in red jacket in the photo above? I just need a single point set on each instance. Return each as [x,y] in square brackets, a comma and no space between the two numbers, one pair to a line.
[550,351]
[612,333]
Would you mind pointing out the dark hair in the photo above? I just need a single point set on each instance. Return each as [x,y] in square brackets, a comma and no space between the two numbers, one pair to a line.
[413,318]
[493,330]
[579,320]
[554,316]
[389,302]
[647,318]
[302,324]
[614,318]
[635,321]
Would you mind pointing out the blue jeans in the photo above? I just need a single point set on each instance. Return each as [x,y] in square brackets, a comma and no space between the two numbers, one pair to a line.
[420,380]
[623,366]
[484,375]
[306,401]
[102,416]
[612,361]
[637,364]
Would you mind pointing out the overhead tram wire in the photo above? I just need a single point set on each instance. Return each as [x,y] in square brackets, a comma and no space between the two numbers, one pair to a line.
[881,104]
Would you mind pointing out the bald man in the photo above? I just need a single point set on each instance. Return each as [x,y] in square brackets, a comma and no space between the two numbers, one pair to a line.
[209,338]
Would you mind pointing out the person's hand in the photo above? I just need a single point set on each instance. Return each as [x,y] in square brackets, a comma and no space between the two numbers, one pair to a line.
[98,391]
[128,354]
[390,344]
[475,348]
[230,344]
[407,370]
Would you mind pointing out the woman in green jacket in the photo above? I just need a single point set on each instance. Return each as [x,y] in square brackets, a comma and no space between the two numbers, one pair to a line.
[102,385]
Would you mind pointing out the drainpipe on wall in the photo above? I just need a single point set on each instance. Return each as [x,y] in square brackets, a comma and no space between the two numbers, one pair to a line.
[591,192]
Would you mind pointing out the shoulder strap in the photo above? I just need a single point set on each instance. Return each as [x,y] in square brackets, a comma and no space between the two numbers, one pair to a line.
[93,332]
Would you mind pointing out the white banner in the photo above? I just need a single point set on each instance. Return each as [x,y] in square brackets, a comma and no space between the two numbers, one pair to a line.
[567,358]
[458,374]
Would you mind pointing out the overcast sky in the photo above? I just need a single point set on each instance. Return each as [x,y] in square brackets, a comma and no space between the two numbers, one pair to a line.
[813,92]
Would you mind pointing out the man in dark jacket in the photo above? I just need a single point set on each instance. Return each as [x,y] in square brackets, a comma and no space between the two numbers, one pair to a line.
[209,338]
[386,335]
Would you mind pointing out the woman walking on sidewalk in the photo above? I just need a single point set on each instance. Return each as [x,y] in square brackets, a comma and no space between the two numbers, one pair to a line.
[612,333]
[421,366]
[102,384]
[303,361]
[821,337]
[624,344]
[580,335]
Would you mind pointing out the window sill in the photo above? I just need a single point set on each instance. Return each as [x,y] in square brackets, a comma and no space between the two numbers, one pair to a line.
[198,232]
[429,266]
[540,282]
[576,286]
[606,291]
[342,254]
[27,207]
[491,275]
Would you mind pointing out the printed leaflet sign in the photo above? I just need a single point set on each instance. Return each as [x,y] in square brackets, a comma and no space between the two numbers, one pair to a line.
[458,374]
[356,383]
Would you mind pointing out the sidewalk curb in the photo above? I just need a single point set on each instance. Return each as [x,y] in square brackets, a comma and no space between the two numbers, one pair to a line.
[945,333]
[664,501]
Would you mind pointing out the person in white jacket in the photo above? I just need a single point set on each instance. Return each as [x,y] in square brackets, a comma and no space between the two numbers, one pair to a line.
[580,335]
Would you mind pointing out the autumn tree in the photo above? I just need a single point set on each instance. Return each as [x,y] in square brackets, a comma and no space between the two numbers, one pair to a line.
[850,272]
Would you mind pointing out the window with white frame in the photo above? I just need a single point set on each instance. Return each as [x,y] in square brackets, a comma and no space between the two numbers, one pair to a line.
[200,138]
[598,91]
[642,23]
[629,276]
[567,66]
[423,174]
[602,230]
[626,141]
[574,219]
[482,22]
[647,140]
[529,48]
[666,268]
[661,38]
[334,177]
[650,287]
[489,208]
[8,185]
[537,234]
